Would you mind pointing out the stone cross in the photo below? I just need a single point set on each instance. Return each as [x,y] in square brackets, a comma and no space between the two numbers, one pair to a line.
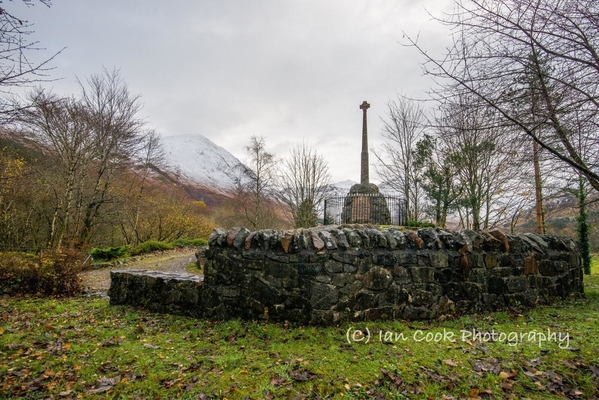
[364,165]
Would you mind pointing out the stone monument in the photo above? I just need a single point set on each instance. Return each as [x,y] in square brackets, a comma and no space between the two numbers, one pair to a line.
[365,204]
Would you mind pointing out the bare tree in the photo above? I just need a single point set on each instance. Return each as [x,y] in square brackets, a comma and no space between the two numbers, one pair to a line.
[150,157]
[58,126]
[16,67]
[404,128]
[255,188]
[303,184]
[117,134]
[484,157]
[93,138]
[496,43]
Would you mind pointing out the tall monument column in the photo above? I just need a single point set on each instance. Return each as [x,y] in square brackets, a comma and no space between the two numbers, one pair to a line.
[365,204]
[364,162]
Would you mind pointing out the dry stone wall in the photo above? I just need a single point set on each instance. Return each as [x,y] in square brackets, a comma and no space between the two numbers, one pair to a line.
[331,274]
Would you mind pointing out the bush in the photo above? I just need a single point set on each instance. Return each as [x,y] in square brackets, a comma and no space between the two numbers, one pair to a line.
[182,243]
[420,224]
[150,246]
[52,273]
[109,253]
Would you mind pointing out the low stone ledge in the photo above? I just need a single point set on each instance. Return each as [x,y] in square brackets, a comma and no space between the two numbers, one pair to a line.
[167,292]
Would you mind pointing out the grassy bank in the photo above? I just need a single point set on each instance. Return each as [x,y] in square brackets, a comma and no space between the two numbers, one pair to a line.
[84,348]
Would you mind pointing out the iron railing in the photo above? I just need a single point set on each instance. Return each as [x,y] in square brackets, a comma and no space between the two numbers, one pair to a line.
[372,208]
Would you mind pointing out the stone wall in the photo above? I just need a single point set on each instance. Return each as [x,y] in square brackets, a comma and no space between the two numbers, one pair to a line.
[331,274]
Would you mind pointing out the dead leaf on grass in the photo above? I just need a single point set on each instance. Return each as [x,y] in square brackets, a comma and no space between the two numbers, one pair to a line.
[104,384]
[488,364]
[569,364]
[450,362]
[302,375]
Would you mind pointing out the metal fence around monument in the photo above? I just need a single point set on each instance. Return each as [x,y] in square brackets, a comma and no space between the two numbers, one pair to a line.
[365,209]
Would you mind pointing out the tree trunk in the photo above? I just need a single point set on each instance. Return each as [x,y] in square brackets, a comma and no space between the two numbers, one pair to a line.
[538,191]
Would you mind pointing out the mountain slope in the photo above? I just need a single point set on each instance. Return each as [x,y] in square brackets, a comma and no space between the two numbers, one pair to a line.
[199,161]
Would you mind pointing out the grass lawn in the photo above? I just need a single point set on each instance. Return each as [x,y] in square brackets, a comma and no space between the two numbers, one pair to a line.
[84,348]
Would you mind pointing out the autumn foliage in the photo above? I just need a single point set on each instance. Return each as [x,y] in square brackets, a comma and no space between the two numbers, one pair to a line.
[50,273]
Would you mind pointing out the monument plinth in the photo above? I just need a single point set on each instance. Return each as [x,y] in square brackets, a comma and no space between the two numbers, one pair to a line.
[365,204]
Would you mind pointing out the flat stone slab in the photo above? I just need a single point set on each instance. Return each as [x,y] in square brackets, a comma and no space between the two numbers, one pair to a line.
[178,276]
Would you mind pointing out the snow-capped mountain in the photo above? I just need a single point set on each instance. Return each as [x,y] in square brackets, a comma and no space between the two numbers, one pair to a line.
[198,160]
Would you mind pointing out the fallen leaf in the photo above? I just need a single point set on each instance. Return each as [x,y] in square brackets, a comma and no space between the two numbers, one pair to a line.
[450,362]
[109,343]
[569,364]
[503,375]
[104,384]
[1,330]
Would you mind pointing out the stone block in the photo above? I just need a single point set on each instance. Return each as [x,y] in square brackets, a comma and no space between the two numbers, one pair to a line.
[333,267]
[497,285]
[491,260]
[422,274]
[400,238]
[516,284]
[530,266]
[385,259]
[402,274]
[430,239]
[279,270]
[349,268]
[412,313]
[323,296]
[308,268]
[342,279]
[478,275]
[420,298]
[377,278]
[323,278]
[443,275]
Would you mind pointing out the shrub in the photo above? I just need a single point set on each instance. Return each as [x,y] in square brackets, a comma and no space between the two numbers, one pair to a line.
[150,246]
[420,224]
[109,253]
[181,243]
[52,273]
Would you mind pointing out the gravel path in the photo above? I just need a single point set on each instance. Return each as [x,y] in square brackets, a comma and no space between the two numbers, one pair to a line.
[97,281]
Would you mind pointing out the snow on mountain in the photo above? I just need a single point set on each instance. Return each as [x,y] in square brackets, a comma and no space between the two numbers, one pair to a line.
[342,188]
[200,161]
[339,189]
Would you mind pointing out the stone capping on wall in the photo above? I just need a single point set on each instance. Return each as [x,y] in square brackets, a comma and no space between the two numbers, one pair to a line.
[327,275]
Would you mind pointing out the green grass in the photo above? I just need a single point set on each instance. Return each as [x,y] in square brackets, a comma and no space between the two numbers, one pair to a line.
[194,268]
[60,348]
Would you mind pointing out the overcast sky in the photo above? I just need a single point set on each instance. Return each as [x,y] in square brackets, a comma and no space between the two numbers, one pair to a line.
[289,71]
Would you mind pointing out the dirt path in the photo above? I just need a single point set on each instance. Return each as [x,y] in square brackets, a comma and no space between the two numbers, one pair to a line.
[97,281]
